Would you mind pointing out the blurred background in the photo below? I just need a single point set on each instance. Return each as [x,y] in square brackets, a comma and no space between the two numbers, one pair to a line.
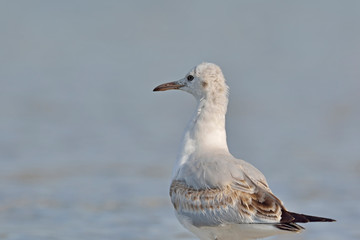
[86,147]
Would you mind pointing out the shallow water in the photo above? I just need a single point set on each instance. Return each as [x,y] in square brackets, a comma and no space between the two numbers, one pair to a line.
[86,147]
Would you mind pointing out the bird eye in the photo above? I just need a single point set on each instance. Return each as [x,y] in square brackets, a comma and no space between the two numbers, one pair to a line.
[190,78]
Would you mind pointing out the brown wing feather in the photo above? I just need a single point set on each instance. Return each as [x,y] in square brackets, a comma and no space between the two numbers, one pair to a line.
[253,203]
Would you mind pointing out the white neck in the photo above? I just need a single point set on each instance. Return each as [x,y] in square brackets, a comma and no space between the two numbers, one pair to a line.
[206,130]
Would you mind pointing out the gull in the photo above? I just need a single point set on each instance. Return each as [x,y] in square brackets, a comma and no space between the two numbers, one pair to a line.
[215,195]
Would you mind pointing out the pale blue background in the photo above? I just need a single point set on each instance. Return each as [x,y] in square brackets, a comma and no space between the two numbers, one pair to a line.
[86,147]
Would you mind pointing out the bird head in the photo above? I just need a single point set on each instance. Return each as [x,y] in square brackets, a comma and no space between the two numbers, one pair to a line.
[204,81]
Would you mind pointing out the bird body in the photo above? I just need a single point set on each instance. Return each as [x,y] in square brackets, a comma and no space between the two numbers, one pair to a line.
[215,195]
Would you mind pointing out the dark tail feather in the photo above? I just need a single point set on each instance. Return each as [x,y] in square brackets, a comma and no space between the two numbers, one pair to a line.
[302,218]
[289,219]
[291,227]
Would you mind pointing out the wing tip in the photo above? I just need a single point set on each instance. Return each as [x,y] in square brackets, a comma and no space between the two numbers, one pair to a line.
[289,220]
[302,218]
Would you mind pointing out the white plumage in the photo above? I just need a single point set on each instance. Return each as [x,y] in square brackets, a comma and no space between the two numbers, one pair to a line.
[215,195]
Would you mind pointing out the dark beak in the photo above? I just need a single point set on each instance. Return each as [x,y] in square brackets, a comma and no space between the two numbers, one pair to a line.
[168,86]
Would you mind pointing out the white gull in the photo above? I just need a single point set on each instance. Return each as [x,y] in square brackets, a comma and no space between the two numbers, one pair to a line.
[215,195]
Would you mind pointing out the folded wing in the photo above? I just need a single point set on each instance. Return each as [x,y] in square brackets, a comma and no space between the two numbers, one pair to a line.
[242,201]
